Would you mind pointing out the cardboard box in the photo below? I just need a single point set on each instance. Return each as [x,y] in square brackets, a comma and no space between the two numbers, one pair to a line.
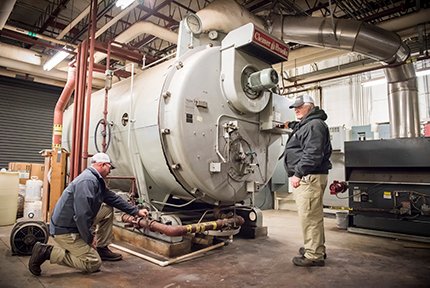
[24,170]
[27,170]
[37,170]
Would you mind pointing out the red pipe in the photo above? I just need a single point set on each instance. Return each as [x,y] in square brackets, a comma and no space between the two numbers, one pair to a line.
[171,230]
[92,34]
[61,105]
[78,111]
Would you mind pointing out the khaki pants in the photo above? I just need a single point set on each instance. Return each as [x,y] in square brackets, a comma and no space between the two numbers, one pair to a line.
[309,197]
[74,252]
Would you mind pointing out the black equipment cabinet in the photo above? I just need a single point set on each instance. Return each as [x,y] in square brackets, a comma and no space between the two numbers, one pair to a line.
[389,185]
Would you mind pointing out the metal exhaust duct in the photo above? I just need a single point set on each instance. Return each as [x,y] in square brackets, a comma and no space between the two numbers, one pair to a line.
[371,41]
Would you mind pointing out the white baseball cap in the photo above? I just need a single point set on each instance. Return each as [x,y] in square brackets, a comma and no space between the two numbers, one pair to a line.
[302,99]
[102,158]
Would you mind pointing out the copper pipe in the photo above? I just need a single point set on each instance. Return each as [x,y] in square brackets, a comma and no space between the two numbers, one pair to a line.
[61,105]
[170,230]
[89,84]
[78,112]
[72,164]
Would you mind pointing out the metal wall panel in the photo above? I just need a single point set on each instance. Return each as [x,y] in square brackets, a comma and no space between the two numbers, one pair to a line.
[26,115]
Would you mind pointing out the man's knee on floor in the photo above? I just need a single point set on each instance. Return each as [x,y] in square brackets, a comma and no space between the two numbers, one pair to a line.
[93,265]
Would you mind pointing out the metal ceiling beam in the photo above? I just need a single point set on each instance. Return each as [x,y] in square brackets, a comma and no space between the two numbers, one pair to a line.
[51,13]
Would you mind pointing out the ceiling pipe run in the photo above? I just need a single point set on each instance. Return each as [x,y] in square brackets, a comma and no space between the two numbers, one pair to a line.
[225,16]
[6,7]
[139,28]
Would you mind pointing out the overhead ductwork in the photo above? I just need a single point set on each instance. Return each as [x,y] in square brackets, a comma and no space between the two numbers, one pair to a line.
[373,42]
[6,7]
[142,27]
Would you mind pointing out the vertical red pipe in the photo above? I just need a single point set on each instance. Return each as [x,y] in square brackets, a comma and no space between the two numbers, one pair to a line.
[72,151]
[61,105]
[79,112]
[89,83]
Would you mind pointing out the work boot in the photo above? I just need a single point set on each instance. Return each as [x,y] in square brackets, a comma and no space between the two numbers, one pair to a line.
[302,252]
[107,255]
[39,254]
[305,262]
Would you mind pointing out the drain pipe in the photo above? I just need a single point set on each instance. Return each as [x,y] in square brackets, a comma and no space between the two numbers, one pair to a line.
[61,105]
[373,42]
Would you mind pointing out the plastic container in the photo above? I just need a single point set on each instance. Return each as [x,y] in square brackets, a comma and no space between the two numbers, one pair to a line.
[33,210]
[33,189]
[9,182]
[342,220]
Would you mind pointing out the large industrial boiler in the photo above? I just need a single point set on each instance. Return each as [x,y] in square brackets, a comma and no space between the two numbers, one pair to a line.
[197,132]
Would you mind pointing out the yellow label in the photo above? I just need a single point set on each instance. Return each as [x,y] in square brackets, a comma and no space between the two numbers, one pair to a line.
[387,195]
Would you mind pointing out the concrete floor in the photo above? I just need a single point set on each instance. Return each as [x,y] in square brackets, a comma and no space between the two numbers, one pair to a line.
[353,261]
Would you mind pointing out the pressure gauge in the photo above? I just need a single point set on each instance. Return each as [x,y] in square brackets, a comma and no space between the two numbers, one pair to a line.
[193,24]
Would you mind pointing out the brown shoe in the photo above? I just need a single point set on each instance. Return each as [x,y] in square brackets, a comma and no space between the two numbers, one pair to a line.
[302,252]
[107,255]
[40,253]
[305,262]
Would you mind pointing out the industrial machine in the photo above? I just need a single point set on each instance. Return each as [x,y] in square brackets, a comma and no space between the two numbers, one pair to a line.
[197,132]
[389,185]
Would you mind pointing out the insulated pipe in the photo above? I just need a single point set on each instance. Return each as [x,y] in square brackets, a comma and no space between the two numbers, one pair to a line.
[61,105]
[139,28]
[170,230]
[226,15]
[6,7]
[39,36]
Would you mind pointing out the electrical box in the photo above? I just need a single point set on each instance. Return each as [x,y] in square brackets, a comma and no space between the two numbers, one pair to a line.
[276,113]
[337,137]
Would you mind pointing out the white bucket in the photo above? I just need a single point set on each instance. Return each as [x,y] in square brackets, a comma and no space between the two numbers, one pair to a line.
[33,189]
[9,182]
[342,220]
[33,210]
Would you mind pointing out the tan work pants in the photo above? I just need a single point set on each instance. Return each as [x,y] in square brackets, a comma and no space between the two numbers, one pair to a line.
[309,200]
[74,252]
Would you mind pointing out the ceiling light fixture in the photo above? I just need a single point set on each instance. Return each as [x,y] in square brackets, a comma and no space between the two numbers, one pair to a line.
[55,60]
[123,3]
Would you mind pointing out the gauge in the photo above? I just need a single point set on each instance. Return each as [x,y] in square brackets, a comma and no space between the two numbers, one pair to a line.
[193,23]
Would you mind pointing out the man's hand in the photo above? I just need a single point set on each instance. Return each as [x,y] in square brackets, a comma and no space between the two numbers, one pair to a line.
[94,243]
[143,213]
[295,181]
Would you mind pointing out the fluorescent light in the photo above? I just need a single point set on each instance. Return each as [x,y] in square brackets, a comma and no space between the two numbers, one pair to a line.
[57,58]
[423,73]
[374,82]
[123,3]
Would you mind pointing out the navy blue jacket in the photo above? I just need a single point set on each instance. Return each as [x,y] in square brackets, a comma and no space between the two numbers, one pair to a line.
[308,149]
[80,202]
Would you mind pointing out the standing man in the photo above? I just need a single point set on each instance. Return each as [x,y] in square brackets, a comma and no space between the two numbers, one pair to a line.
[307,161]
[81,223]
